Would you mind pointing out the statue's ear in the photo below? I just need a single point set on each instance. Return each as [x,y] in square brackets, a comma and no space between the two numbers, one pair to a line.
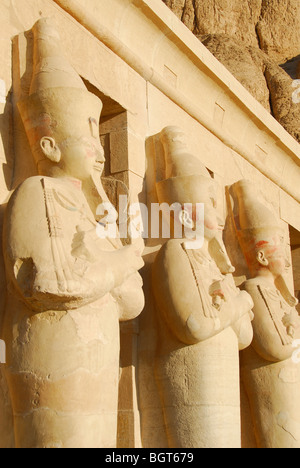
[261,258]
[50,149]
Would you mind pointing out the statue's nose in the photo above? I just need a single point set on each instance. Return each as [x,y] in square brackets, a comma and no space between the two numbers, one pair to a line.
[287,263]
[100,158]
[221,223]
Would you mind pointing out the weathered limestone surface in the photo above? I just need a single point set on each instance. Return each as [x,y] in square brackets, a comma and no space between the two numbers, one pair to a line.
[271,378]
[237,18]
[250,37]
[284,109]
[246,63]
[61,324]
[151,72]
[203,319]
[278,29]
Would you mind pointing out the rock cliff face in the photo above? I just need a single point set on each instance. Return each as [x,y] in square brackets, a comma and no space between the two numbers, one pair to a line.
[258,41]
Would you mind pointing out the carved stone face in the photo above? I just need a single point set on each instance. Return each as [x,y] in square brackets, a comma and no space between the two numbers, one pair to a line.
[62,125]
[213,225]
[271,254]
[75,156]
[79,156]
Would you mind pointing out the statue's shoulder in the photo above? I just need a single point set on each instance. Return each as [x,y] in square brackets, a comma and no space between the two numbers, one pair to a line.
[33,189]
[25,218]
[173,249]
[262,289]
[28,200]
[31,185]
[171,258]
[251,284]
[254,286]
[31,182]
[27,193]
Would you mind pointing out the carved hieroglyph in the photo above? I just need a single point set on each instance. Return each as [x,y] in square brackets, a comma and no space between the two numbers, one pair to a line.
[203,318]
[271,377]
[67,288]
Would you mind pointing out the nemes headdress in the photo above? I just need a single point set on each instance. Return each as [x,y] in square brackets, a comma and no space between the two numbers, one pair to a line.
[59,104]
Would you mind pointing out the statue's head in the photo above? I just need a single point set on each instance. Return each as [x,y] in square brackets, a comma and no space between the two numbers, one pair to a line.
[189,182]
[60,116]
[266,250]
[261,237]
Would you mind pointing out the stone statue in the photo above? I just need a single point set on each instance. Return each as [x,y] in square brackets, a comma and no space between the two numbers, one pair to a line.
[203,319]
[67,288]
[271,378]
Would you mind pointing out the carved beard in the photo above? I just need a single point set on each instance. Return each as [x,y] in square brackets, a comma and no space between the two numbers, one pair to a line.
[285,292]
[219,254]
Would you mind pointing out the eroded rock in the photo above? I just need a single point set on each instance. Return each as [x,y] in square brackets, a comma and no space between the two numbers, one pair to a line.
[258,41]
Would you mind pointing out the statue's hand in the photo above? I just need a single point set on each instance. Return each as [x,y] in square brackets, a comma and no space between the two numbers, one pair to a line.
[122,263]
[242,326]
[291,322]
[246,303]
[133,255]
[128,261]
[84,245]
[218,295]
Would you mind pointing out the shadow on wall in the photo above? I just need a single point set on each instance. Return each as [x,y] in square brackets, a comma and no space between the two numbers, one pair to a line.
[292,67]
[6,141]
[6,180]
